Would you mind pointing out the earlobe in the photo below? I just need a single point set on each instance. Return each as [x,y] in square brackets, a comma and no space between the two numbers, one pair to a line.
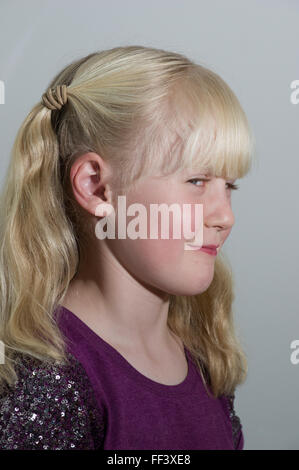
[108,194]
[104,210]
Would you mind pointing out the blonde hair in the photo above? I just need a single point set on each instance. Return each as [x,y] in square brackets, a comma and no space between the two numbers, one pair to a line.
[144,110]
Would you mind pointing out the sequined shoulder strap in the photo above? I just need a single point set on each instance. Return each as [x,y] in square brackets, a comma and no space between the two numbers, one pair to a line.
[51,406]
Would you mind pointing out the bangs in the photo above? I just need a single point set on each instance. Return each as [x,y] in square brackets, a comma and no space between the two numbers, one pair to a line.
[210,131]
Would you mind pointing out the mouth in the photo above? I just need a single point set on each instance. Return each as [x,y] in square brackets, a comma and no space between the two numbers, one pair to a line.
[210,249]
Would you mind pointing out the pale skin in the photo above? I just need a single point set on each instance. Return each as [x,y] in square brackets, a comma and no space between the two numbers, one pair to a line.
[121,290]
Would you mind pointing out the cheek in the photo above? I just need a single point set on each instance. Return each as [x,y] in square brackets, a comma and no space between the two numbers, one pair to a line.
[163,251]
[185,222]
[152,256]
[159,251]
[165,265]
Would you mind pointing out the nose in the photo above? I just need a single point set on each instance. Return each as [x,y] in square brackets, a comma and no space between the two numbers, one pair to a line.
[217,210]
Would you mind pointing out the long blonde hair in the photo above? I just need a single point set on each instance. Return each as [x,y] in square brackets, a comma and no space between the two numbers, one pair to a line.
[144,110]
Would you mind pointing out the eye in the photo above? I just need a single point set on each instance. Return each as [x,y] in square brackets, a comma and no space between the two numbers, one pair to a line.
[197,179]
[232,186]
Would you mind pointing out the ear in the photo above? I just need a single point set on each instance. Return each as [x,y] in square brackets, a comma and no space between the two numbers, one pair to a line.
[90,176]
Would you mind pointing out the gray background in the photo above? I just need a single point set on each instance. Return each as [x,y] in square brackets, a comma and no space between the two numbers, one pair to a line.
[254,46]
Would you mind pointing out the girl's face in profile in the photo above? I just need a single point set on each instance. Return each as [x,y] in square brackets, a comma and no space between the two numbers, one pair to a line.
[165,263]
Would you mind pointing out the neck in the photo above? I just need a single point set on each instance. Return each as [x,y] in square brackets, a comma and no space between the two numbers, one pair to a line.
[105,294]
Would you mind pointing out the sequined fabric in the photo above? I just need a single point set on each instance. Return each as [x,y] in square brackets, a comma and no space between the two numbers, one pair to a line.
[53,407]
[235,420]
[50,407]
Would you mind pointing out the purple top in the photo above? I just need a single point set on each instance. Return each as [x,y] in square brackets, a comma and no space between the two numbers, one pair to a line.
[99,401]
[139,413]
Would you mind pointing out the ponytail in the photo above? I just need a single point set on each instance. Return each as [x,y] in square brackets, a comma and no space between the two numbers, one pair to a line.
[38,249]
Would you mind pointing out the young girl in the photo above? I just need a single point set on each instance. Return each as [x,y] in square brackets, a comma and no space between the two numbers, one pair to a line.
[121,343]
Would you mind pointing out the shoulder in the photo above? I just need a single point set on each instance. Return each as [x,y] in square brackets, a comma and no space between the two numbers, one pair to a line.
[51,406]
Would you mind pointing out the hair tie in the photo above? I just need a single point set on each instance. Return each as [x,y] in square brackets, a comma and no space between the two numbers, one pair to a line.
[59,100]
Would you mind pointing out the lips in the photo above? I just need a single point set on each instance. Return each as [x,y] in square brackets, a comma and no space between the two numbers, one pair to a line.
[210,249]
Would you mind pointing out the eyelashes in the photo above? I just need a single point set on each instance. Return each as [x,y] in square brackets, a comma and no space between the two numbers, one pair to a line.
[232,186]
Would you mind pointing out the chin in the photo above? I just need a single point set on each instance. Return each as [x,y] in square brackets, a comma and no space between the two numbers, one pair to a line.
[197,290]
[192,288]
